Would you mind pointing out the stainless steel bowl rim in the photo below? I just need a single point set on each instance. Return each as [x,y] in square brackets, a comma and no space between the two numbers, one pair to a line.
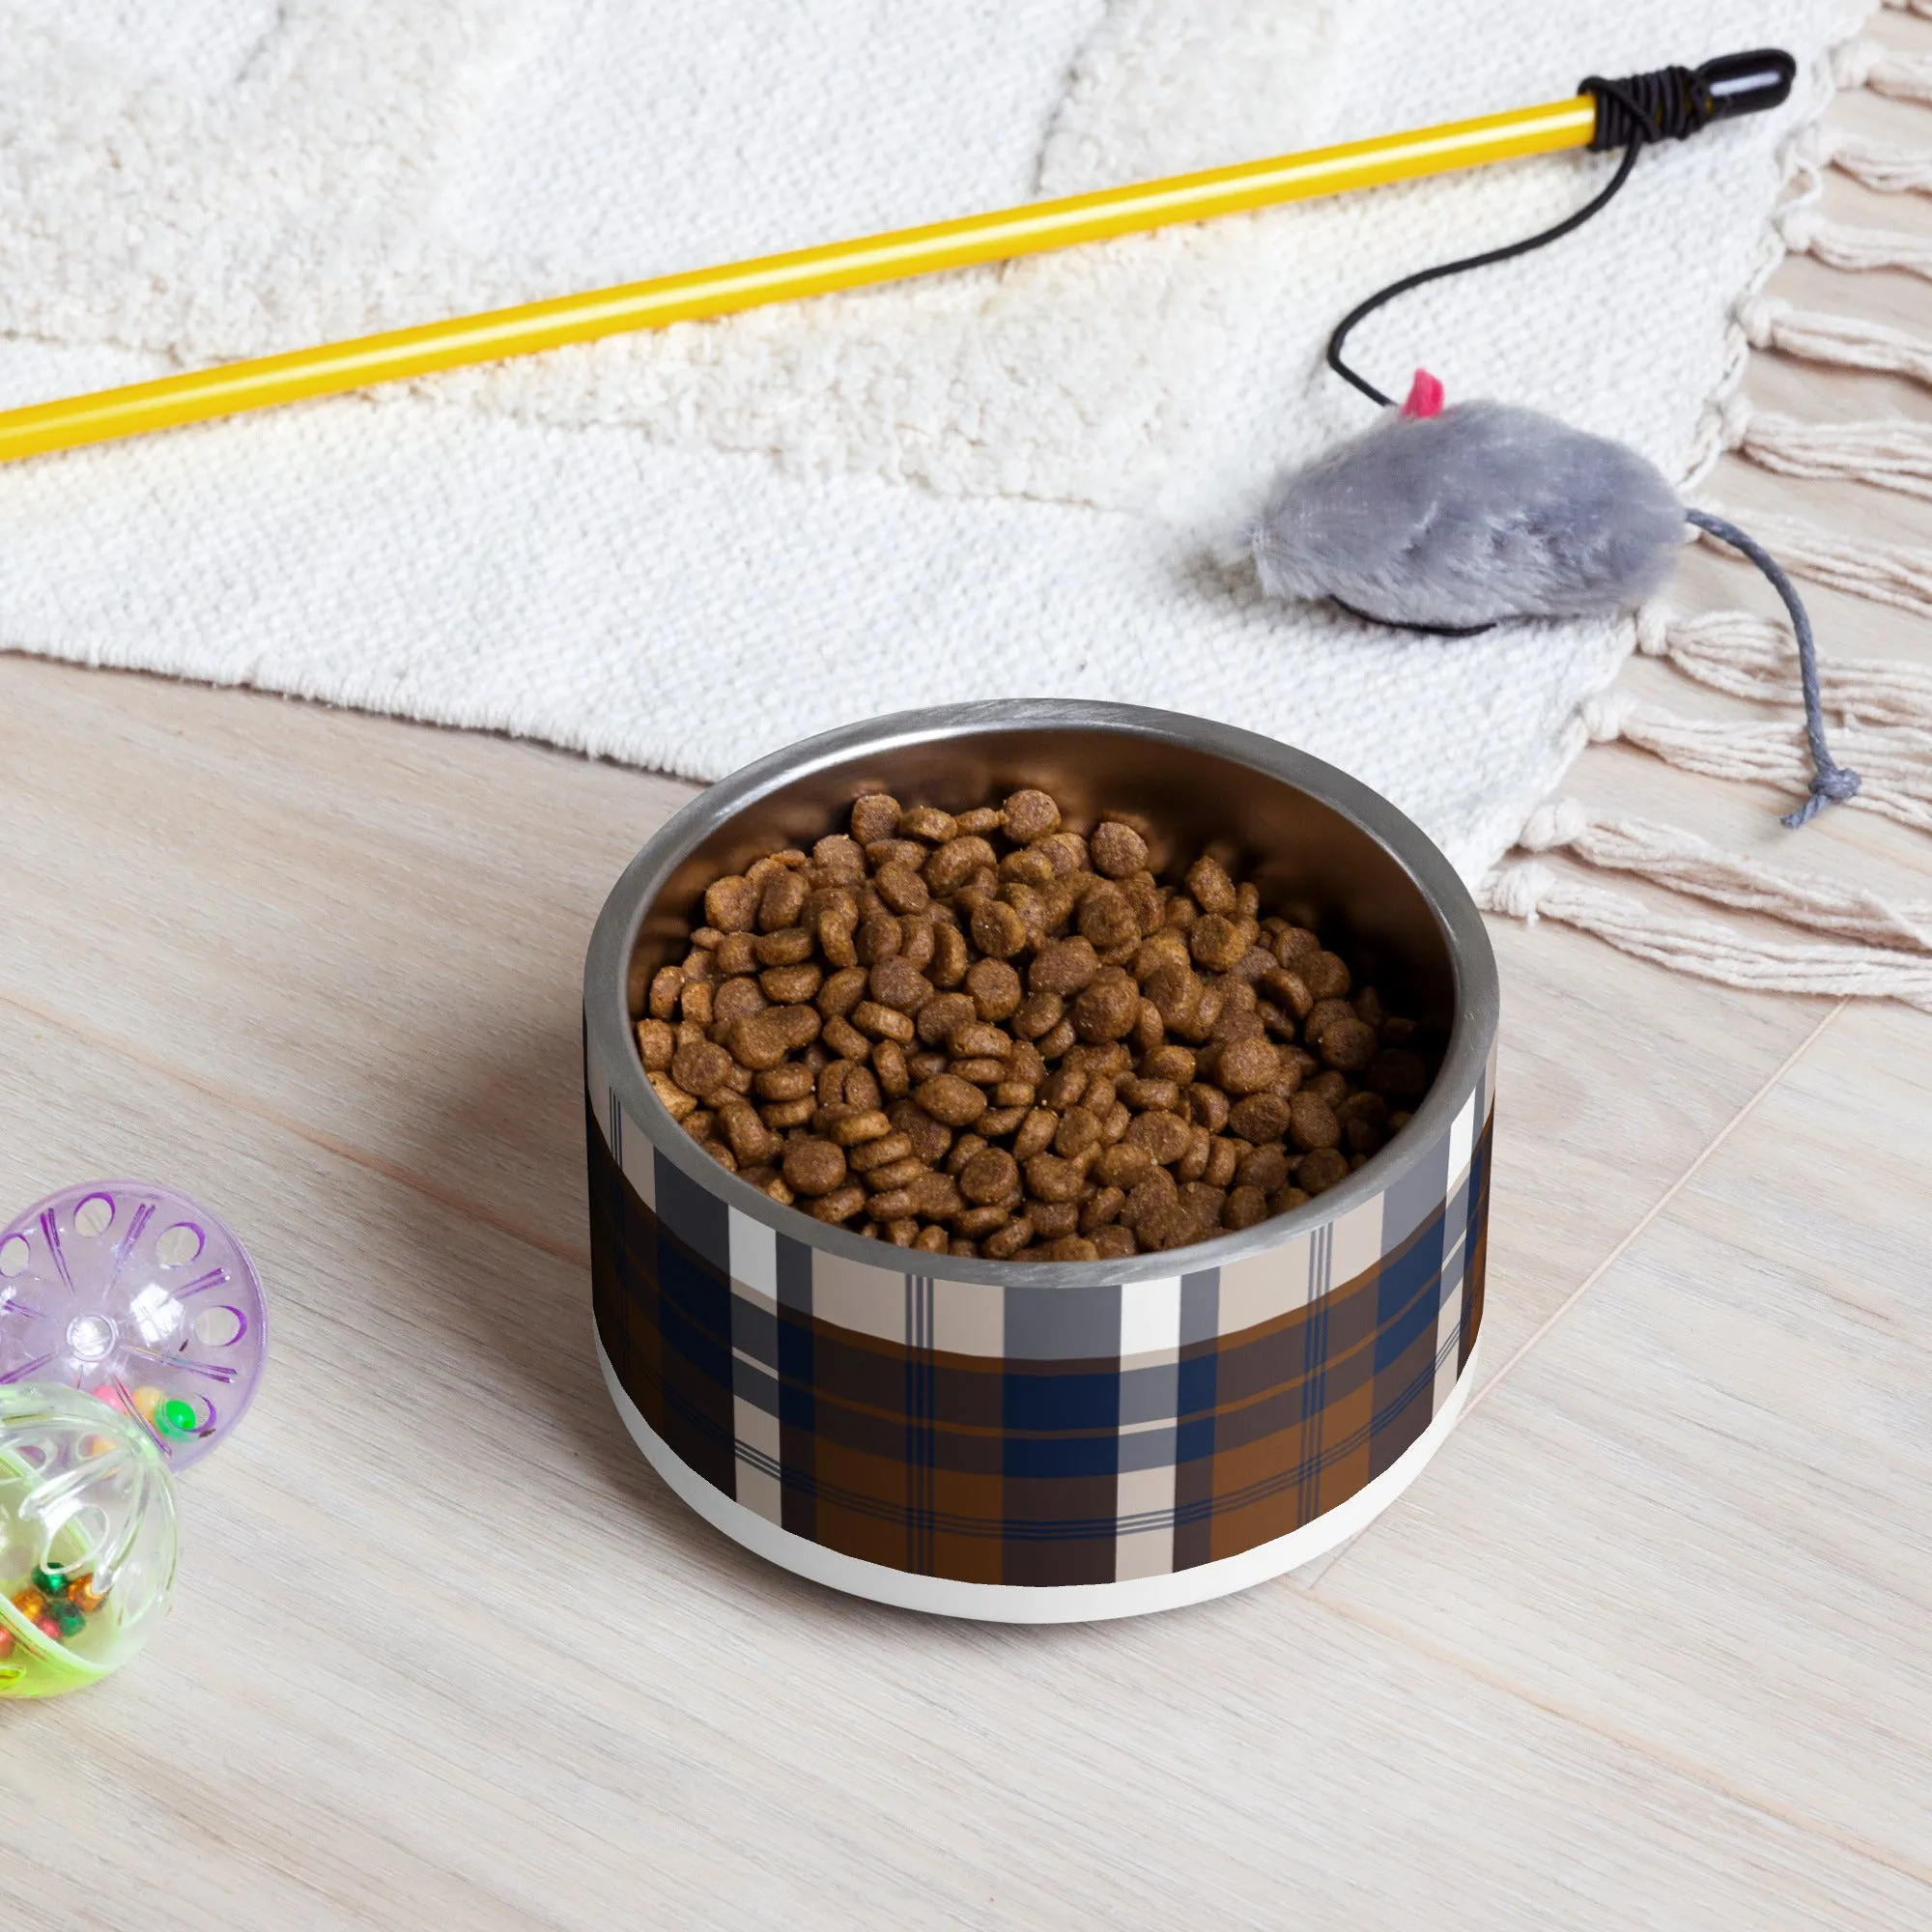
[1472,962]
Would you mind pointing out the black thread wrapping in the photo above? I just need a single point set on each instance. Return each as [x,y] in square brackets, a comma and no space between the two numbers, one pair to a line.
[1670,105]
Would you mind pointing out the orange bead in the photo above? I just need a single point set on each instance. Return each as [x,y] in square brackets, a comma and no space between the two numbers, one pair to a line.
[81,1594]
[30,1603]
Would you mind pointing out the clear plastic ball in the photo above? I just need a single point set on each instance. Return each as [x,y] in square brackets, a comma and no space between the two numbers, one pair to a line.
[87,1539]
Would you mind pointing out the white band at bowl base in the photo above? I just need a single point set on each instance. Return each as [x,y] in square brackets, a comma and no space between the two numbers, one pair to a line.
[1024,1604]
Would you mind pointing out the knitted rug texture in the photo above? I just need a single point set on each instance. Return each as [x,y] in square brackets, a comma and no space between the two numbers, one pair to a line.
[686,548]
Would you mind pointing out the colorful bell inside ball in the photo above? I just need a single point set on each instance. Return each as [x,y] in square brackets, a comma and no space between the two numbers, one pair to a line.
[87,1539]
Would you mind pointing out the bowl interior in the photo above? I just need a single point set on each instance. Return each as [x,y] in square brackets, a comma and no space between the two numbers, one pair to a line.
[1309,860]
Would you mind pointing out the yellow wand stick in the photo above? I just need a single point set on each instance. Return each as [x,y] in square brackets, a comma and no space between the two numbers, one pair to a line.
[1738,84]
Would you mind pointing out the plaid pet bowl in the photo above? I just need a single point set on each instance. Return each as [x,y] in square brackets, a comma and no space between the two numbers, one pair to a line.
[1048,1441]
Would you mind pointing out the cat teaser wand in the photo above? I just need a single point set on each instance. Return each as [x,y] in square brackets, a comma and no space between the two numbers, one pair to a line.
[1596,116]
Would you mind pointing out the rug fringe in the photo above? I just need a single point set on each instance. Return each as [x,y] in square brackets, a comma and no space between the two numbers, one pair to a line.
[1747,656]
[1895,574]
[1894,454]
[1879,165]
[1895,764]
[1847,342]
[1529,890]
[1875,948]
[1883,70]
[1693,865]
[1839,245]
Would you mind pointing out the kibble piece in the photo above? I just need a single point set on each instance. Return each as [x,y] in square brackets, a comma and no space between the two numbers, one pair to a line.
[836,925]
[876,815]
[1331,1086]
[1248,1066]
[1028,816]
[902,888]
[1244,1208]
[1006,1242]
[897,984]
[1037,1014]
[655,1043]
[977,1223]
[1162,1137]
[814,1167]
[731,904]
[1172,1226]
[1349,1045]
[1207,1107]
[893,1174]
[838,1206]
[1049,1178]
[998,929]
[1079,1129]
[995,989]
[879,1021]
[700,1067]
[867,1125]
[1117,849]
[1028,868]
[1071,1248]
[1114,1242]
[950,1101]
[1211,887]
[992,1175]
[1311,1122]
[1322,1016]
[1320,1170]
[748,1136]
[788,985]
[955,861]
[1216,942]
[1260,1117]
[1036,1134]
[1063,966]
[781,902]
[1327,975]
[1108,1007]
[838,860]
[1397,1074]
[928,822]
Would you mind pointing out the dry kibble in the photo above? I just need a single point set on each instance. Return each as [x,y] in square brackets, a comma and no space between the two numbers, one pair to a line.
[989,1034]
[1349,1045]
[1028,816]
[1118,850]
[950,1101]
[1311,1122]
[1063,966]
[731,904]
[1248,1066]
[1320,1170]
[874,816]
[814,1167]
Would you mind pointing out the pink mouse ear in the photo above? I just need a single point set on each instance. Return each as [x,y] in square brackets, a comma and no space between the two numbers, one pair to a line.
[1425,396]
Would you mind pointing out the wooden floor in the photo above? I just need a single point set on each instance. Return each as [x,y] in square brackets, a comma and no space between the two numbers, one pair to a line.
[1646,1645]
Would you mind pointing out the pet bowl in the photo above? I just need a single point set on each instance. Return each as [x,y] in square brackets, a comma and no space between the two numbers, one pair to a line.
[1048,1441]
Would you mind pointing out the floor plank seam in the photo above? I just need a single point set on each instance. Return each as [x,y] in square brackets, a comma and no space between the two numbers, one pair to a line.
[346,1150]
[1682,1767]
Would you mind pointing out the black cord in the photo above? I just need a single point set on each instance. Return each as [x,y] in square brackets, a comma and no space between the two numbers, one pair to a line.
[1621,120]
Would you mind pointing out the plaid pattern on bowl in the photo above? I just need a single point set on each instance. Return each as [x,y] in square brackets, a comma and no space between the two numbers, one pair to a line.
[1003,1433]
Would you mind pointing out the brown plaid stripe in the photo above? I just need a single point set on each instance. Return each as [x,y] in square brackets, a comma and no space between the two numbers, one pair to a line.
[1024,1466]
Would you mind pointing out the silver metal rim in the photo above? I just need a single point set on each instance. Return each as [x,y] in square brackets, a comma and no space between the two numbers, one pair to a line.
[607,969]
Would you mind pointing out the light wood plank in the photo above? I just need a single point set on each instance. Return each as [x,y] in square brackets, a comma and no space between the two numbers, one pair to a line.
[1697,1512]
[447,1653]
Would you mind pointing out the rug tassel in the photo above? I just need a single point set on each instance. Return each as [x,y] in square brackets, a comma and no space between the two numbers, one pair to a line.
[1529,890]
[1689,864]
[1922,7]
[1844,341]
[1883,70]
[1895,455]
[1879,165]
[1839,245]
[1747,656]
[1895,574]
[1894,765]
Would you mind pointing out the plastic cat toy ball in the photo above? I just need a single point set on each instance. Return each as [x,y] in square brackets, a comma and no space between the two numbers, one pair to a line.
[87,1539]
[131,1338]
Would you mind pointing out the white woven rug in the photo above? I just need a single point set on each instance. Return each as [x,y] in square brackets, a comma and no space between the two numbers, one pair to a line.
[686,550]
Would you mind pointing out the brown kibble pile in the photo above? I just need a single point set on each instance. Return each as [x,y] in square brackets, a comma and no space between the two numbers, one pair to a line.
[993,1034]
